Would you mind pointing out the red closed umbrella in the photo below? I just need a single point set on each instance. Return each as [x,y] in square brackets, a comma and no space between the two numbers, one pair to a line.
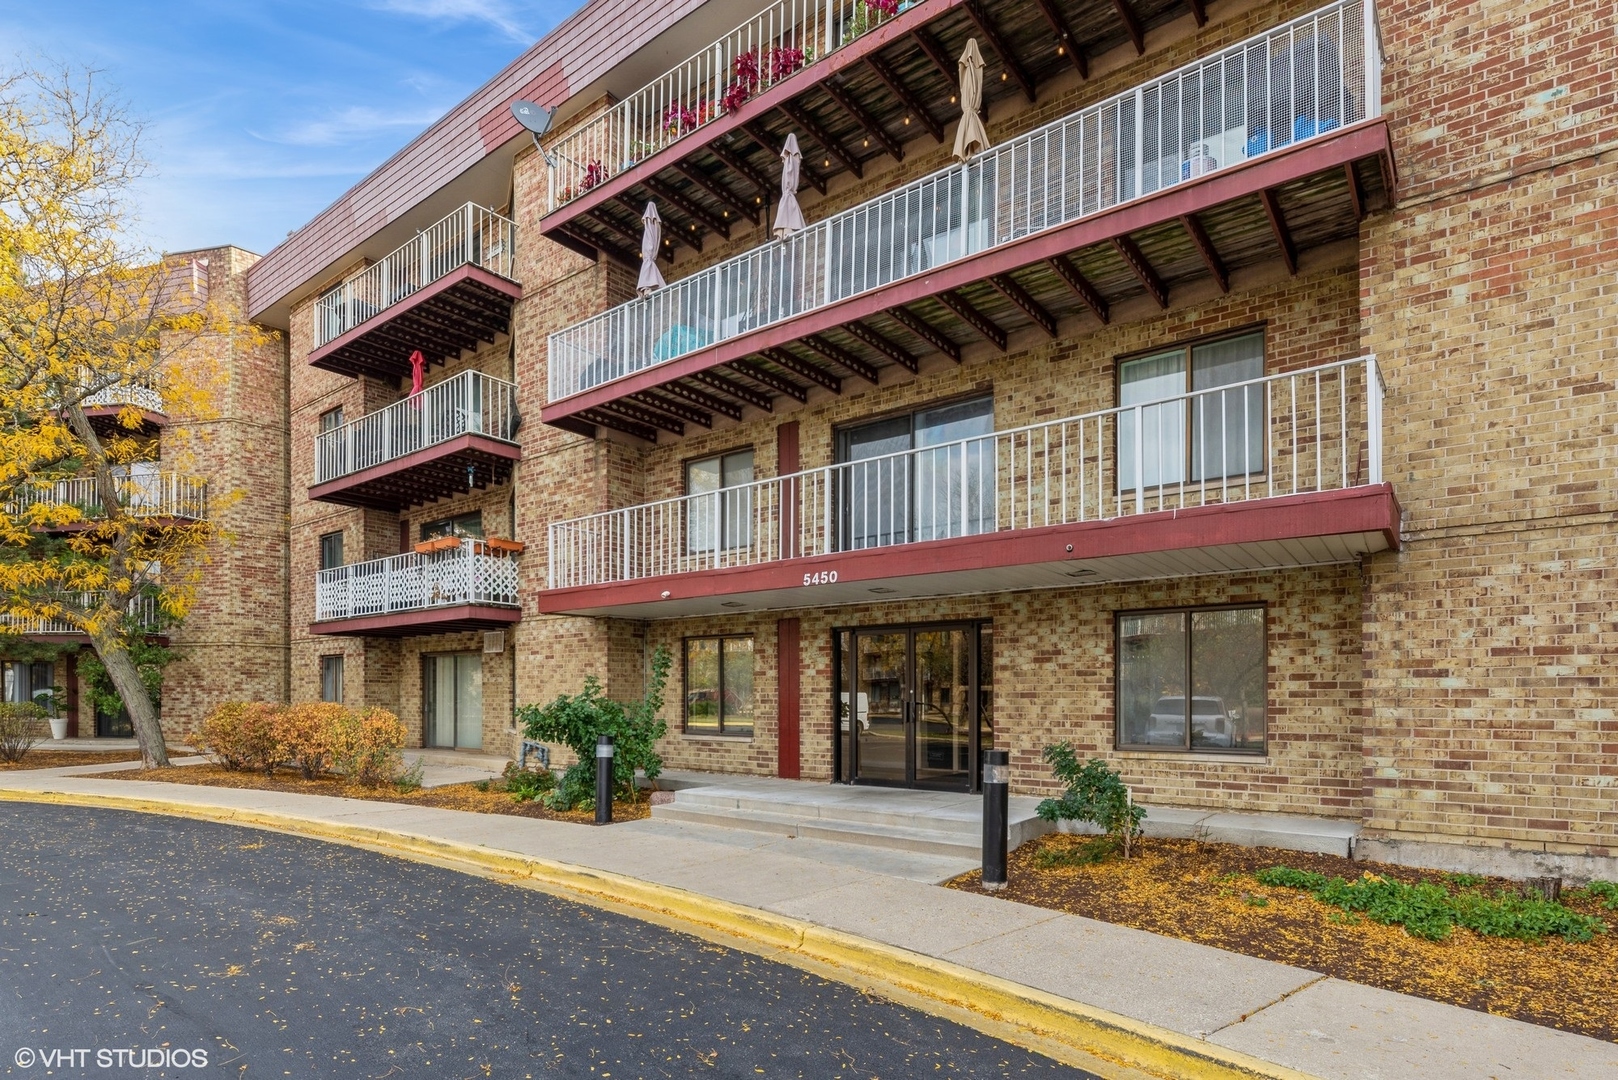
[418,373]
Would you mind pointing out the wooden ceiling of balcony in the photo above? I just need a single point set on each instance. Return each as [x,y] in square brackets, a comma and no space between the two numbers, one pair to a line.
[1182,239]
[889,98]
[106,421]
[467,463]
[465,308]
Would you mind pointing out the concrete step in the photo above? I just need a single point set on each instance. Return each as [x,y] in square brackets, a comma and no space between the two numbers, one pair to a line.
[950,842]
[1293,832]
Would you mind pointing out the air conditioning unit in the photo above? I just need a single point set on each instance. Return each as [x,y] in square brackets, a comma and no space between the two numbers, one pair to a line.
[494,641]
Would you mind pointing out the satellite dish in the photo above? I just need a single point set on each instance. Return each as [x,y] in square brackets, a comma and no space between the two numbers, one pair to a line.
[536,118]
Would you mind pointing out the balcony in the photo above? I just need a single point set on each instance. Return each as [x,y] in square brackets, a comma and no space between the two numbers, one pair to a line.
[444,291]
[1255,154]
[144,609]
[1285,470]
[105,409]
[468,587]
[451,438]
[704,138]
[156,498]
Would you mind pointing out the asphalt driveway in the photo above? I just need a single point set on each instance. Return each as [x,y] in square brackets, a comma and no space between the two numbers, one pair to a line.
[142,945]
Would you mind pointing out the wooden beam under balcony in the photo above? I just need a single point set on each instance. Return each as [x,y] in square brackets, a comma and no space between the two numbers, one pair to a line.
[469,462]
[456,619]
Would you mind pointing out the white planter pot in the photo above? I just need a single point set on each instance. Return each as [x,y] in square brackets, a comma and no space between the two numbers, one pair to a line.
[58,727]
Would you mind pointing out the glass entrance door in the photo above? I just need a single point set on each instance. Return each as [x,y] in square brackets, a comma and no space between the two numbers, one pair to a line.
[912,706]
[453,701]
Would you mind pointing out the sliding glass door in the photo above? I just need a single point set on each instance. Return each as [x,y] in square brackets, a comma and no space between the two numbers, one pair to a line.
[452,701]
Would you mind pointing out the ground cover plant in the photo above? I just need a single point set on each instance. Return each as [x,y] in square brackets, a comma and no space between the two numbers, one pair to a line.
[1481,943]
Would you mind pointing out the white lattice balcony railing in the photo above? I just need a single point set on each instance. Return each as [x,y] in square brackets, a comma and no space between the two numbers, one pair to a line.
[1314,430]
[470,403]
[417,582]
[470,235]
[140,494]
[143,608]
[773,45]
[1299,81]
[117,397]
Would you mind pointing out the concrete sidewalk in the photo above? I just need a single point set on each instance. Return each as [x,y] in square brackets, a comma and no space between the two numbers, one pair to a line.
[1287,1016]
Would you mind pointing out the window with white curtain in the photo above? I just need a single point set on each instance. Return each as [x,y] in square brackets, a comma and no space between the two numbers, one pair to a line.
[1200,417]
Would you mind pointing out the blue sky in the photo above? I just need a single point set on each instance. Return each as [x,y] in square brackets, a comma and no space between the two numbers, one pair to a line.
[259,114]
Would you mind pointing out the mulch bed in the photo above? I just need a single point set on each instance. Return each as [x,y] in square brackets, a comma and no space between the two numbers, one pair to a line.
[1206,893]
[44,757]
[451,797]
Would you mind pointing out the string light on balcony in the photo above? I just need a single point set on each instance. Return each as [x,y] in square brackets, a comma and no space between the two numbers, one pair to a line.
[1004,76]
[828,163]
[907,120]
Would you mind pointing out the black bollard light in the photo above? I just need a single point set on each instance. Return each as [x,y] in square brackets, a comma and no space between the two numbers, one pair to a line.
[604,780]
[996,815]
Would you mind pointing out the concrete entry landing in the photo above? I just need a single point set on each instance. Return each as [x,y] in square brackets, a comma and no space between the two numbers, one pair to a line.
[928,822]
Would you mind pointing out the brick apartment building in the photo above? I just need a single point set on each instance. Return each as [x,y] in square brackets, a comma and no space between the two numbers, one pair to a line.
[1241,412]
[223,458]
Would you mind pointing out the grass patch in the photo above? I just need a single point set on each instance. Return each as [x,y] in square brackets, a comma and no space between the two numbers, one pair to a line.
[1086,853]
[1432,910]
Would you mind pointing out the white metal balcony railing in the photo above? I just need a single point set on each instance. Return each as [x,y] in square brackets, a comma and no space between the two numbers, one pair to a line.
[468,403]
[140,494]
[468,235]
[141,397]
[143,608]
[773,45]
[1300,81]
[416,582]
[1314,430]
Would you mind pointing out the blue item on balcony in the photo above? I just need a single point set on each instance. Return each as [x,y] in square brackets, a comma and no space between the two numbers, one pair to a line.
[678,340]
[1305,126]
[1258,142]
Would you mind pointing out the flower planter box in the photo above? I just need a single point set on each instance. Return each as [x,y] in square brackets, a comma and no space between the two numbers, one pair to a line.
[498,546]
[438,543]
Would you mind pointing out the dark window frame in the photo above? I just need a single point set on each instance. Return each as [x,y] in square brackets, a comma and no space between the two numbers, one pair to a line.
[326,666]
[342,555]
[327,423]
[1187,610]
[721,541]
[449,525]
[685,686]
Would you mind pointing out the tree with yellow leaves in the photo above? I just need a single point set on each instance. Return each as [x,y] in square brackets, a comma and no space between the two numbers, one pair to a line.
[91,532]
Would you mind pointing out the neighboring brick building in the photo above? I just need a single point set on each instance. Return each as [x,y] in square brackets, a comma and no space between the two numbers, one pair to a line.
[1241,414]
[221,453]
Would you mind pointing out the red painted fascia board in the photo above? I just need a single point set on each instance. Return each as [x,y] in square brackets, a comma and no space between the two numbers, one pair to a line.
[1352,144]
[425,619]
[1372,508]
[460,444]
[467,272]
[853,53]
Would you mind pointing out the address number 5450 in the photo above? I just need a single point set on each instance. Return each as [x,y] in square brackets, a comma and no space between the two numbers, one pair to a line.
[821,577]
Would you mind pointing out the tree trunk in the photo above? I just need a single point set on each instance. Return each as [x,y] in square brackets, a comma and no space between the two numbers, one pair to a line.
[126,680]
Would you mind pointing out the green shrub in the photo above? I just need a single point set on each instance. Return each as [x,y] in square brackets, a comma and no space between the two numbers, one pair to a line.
[19,729]
[577,721]
[525,784]
[1429,910]
[242,736]
[1095,793]
[1604,891]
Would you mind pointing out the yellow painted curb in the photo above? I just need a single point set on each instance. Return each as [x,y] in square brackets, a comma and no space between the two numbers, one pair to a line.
[1073,1024]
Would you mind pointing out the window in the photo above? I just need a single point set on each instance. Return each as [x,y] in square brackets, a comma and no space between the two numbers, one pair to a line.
[452,700]
[331,679]
[34,682]
[1192,679]
[925,476]
[331,419]
[331,550]
[462,525]
[1210,436]
[723,510]
[719,685]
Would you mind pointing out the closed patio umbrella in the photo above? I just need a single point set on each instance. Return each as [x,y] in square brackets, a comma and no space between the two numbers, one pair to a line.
[418,373]
[651,278]
[970,137]
[789,218]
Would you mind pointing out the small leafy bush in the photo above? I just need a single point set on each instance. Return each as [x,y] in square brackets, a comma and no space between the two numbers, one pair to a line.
[311,735]
[19,729]
[1429,910]
[241,736]
[1604,891]
[368,747]
[1093,851]
[576,721]
[526,784]
[1095,793]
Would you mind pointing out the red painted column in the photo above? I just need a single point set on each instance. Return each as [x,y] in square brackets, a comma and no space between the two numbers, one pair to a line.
[787,462]
[73,694]
[787,663]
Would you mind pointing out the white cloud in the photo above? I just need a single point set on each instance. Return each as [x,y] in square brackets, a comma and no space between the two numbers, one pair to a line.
[356,123]
[494,13]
